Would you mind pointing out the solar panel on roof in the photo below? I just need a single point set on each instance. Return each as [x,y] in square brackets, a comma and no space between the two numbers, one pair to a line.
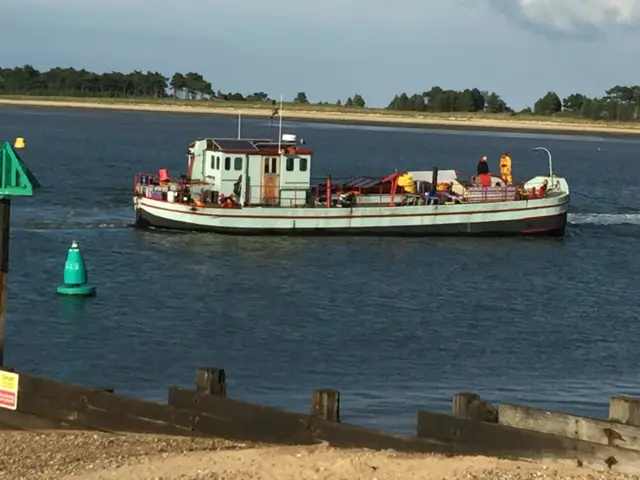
[235,145]
[352,182]
[363,182]
[267,146]
[371,183]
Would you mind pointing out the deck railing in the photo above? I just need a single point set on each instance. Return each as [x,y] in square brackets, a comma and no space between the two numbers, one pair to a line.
[149,185]
[491,194]
[328,195]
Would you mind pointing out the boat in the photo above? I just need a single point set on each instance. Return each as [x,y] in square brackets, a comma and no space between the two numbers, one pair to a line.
[264,187]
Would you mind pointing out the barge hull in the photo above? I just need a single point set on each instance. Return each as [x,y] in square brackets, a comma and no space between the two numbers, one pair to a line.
[543,226]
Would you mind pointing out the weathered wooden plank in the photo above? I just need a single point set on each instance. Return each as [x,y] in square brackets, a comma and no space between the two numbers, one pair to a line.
[572,426]
[114,421]
[344,435]
[483,438]
[237,420]
[14,420]
[48,408]
[47,388]
[137,408]
[80,413]
[99,408]
[625,410]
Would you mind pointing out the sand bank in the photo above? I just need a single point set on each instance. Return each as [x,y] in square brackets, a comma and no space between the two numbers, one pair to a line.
[98,456]
[367,117]
[315,463]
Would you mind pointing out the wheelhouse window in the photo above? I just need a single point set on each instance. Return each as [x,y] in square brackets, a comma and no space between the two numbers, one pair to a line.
[289,165]
[304,164]
[237,163]
[227,163]
[217,163]
[271,165]
[213,163]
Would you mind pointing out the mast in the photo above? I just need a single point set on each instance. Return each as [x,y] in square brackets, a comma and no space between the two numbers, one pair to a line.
[280,124]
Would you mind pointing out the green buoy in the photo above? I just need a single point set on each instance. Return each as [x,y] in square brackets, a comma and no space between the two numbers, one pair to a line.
[75,275]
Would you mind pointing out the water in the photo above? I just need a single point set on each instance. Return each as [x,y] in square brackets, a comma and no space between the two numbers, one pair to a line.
[396,324]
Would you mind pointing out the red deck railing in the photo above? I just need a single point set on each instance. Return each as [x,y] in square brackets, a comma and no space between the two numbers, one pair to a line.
[328,194]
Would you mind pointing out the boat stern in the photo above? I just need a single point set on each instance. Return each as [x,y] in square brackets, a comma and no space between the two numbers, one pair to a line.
[558,185]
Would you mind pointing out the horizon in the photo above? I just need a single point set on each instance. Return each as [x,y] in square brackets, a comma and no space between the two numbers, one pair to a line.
[565,47]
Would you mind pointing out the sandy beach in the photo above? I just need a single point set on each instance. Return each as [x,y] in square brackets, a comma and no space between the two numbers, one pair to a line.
[372,116]
[101,456]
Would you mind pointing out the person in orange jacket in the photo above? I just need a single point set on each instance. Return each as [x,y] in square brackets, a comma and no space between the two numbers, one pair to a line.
[505,168]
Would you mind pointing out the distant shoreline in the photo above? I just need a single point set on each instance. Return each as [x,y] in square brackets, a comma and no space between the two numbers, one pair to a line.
[319,113]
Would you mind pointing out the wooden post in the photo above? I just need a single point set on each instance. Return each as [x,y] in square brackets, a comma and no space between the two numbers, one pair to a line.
[211,381]
[5,223]
[465,405]
[326,404]
[472,407]
[625,410]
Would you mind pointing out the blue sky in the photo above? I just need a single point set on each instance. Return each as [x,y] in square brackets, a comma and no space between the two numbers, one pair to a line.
[334,48]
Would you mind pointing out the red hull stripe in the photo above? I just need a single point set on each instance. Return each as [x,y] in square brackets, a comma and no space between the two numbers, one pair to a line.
[316,217]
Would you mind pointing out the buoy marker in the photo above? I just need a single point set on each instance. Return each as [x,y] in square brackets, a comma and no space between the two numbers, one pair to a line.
[75,276]
[19,143]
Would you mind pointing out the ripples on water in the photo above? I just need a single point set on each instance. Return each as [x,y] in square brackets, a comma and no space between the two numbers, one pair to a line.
[395,324]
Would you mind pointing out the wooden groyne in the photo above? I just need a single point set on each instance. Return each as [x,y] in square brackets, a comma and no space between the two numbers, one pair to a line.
[474,427]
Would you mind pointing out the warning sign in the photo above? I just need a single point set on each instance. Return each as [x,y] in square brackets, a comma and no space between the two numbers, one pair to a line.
[9,390]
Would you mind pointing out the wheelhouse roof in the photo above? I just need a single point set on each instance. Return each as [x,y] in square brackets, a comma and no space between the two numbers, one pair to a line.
[259,146]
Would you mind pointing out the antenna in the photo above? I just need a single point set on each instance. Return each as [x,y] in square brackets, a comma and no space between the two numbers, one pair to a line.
[239,124]
[280,125]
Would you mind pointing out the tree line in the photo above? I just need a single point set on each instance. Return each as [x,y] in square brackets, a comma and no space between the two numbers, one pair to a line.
[620,103]
[439,100]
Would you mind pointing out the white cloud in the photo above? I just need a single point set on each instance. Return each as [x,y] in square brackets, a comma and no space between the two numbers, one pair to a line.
[573,17]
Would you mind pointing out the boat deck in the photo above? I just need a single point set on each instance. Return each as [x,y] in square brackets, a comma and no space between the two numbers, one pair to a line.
[358,192]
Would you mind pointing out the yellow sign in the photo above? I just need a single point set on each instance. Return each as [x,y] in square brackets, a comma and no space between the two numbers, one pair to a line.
[9,390]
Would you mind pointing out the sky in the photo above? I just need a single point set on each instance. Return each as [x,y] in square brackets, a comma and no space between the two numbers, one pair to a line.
[332,49]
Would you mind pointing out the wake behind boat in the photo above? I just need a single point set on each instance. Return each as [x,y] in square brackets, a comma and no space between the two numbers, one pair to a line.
[260,186]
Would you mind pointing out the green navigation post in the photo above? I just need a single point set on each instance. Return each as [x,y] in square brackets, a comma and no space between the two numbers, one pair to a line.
[15,180]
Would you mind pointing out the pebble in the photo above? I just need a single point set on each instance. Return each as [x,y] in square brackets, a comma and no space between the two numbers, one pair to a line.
[544,473]
[51,455]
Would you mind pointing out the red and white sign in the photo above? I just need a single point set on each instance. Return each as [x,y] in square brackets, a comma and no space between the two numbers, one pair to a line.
[9,390]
